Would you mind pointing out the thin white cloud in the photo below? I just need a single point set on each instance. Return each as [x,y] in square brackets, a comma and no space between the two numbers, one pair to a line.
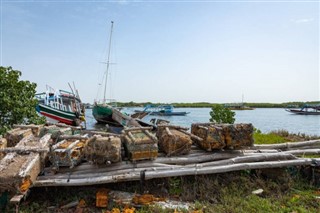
[303,20]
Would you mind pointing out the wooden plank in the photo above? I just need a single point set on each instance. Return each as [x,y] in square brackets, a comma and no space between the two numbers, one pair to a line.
[17,198]
[18,172]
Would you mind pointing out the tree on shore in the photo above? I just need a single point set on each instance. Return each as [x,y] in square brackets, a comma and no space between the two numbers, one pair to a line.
[17,102]
[221,114]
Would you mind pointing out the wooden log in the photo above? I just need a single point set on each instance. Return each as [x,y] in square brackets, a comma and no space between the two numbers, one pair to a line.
[94,132]
[77,137]
[136,129]
[287,145]
[101,172]
[243,159]
[151,135]
[168,131]
[196,159]
[130,176]
[86,168]
[131,137]
[303,152]
[172,126]
[23,150]
[203,127]
[227,168]
[204,124]
[64,126]
[191,135]
[154,166]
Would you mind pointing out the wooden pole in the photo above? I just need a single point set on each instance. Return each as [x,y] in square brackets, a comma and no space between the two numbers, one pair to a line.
[287,145]
[135,175]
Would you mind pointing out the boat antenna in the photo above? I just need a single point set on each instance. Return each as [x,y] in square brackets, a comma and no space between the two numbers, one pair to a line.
[76,90]
[108,63]
[71,88]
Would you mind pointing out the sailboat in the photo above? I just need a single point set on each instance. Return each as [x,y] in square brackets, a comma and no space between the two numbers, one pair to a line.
[102,111]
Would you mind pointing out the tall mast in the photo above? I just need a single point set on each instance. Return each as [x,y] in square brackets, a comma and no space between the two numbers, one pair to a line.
[108,63]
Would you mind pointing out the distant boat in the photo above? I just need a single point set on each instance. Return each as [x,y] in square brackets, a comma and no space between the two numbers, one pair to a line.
[101,110]
[306,110]
[162,110]
[238,106]
[61,106]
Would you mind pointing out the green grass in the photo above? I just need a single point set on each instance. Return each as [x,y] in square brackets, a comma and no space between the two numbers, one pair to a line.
[268,138]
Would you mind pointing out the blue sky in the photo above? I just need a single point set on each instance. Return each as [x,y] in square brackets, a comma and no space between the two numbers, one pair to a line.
[163,51]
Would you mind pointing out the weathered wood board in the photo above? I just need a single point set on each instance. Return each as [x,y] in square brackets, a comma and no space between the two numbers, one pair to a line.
[19,171]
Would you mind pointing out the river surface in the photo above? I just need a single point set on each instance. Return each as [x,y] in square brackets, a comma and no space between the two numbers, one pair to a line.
[265,119]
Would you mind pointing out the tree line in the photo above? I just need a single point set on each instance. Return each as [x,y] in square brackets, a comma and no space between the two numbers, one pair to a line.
[210,105]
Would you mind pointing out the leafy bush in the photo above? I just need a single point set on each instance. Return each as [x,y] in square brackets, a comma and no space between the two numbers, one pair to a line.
[220,114]
[17,102]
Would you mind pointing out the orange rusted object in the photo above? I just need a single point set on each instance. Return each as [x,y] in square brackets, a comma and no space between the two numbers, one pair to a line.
[102,198]
[128,209]
[25,185]
[115,210]
[145,199]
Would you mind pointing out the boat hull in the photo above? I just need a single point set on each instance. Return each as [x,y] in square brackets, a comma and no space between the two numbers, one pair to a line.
[170,113]
[302,112]
[61,116]
[103,114]
[164,113]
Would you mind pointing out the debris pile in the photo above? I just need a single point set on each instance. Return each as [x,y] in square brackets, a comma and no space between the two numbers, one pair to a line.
[83,157]
[103,149]
[223,136]
[140,144]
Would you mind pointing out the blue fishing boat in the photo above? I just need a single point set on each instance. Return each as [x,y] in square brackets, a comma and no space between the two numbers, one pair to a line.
[162,110]
[306,110]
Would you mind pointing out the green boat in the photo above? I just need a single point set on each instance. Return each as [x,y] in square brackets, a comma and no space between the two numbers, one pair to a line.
[102,111]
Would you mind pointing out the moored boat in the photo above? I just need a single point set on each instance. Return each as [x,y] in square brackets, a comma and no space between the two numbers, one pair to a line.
[101,111]
[162,110]
[238,106]
[306,110]
[61,106]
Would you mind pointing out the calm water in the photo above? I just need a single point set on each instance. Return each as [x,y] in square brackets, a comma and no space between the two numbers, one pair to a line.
[263,119]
